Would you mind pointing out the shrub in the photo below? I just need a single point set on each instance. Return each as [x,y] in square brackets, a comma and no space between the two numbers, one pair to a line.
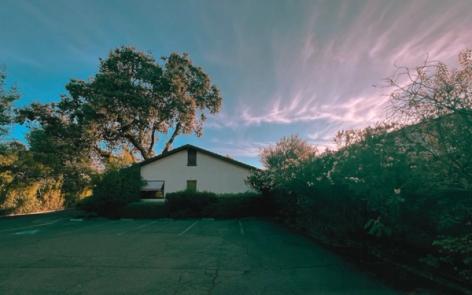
[114,189]
[33,196]
[378,192]
[249,204]
[190,203]
[207,204]
[143,210]
[25,185]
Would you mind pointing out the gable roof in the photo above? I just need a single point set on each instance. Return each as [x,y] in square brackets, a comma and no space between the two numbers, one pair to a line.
[201,150]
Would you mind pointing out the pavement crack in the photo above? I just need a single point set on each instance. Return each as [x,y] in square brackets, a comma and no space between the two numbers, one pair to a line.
[179,283]
[213,281]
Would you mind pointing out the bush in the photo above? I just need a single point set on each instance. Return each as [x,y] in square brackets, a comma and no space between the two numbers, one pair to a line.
[207,204]
[190,203]
[33,196]
[142,209]
[236,205]
[377,193]
[114,190]
[26,186]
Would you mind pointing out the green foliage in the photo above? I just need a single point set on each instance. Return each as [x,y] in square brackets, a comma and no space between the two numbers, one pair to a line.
[456,252]
[58,144]
[115,189]
[440,98]
[282,162]
[377,189]
[238,205]
[25,185]
[133,97]
[7,97]
[375,227]
[143,210]
[206,204]
[113,119]
[65,158]
[190,203]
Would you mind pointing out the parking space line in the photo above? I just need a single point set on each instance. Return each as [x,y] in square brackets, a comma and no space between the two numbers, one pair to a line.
[30,226]
[137,228]
[188,228]
[27,232]
[146,224]
[241,228]
[84,226]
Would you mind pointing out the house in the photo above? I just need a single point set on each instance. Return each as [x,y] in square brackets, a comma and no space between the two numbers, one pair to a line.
[193,168]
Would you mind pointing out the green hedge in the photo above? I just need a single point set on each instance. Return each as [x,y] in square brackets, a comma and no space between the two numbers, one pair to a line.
[142,209]
[186,204]
[378,196]
[114,189]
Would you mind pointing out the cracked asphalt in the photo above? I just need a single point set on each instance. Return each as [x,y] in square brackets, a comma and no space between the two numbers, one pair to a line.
[54,254]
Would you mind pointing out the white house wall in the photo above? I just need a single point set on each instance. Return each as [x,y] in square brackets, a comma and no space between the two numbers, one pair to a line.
[211,174]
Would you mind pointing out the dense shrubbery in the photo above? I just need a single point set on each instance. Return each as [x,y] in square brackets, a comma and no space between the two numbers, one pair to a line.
[207,204]
[25,185]
[115,189]
[142,210]
[404,188]
[183,204]
[375,193]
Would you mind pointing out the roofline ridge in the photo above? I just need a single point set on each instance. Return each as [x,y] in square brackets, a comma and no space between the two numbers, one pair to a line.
[208,152]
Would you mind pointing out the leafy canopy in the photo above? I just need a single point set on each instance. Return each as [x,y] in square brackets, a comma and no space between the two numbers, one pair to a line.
[133,98]
[7,97]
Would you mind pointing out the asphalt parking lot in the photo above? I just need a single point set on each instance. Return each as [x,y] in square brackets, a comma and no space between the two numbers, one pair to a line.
[56,254]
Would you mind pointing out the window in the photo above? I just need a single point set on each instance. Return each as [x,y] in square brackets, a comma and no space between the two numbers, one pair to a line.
[192,185]
[153,189]
[191,157]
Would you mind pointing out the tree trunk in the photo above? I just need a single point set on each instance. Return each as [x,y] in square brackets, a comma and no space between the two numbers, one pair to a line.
[171,139]
[144,153]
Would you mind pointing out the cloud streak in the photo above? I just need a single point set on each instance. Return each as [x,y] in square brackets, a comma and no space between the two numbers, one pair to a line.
[327,74]
[304,67]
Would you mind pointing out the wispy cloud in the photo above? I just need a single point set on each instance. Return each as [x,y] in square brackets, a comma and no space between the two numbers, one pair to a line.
[304,67]
[325,68]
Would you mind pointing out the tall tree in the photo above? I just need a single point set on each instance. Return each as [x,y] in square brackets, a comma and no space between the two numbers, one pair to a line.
[7,97]
[440,100]
[281,162]
[133,99]
[432,90]
[63,148]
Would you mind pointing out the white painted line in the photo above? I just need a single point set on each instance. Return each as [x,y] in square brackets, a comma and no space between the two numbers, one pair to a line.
[241,228]
[147,224]
[188,228]
[27,232]
[30,226]
[87,226]
[137,228]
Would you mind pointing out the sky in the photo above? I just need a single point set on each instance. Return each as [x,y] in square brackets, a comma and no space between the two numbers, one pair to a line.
[283,67]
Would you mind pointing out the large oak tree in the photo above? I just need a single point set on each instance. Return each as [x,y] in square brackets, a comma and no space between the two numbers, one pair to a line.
[131,102]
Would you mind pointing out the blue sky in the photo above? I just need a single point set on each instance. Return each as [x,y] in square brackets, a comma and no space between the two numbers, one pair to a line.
[283,67]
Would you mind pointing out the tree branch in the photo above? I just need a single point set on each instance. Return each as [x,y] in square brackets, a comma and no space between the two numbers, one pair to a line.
[171,139]
[138,146]
[153,139]
[102,153]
